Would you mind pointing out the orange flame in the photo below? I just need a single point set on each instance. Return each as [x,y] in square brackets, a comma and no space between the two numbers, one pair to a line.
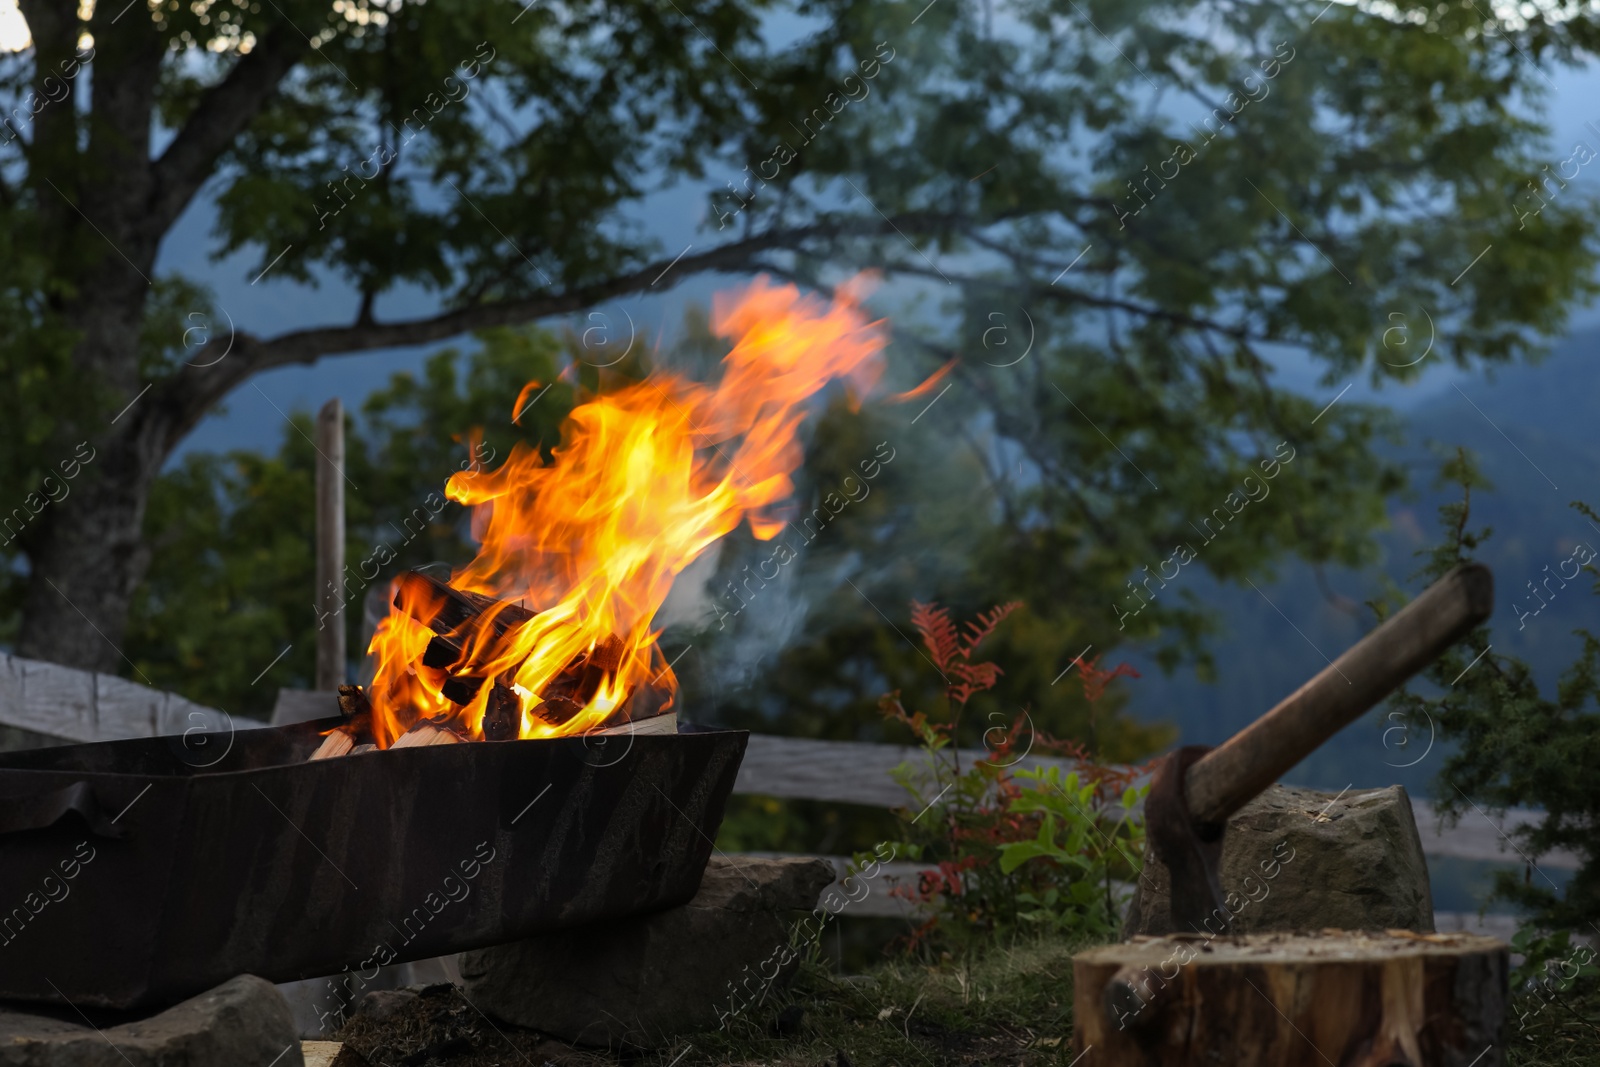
[927,384]
[645,479]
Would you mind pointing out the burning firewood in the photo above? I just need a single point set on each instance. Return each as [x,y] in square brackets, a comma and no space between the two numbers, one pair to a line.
[357,711]
[426,733]
[455,613]
[337,743]
[570,691]
[353,702]
[607,656]
[461,690]
[656,724]
[454,606]
[557,710]
[502,714]
[566,695]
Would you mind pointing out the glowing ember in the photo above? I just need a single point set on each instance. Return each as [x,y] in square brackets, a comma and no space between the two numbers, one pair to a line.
[645,479]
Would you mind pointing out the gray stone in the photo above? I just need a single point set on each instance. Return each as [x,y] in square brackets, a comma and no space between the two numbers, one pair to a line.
[243,1022]
[1302,859]
[639,981]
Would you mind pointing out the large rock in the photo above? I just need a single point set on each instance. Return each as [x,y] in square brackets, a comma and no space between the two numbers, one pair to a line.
[638,981]
[243,1022]
[1302,859]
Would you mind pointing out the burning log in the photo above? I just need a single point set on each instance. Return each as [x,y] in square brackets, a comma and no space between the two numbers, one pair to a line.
[665,723]
[606,657]
[456,616]
[337,743]
[566,695]
[426,733]
[357,711]
[353,703]
[502,714]
[454,606]
[558,710]
[571,690]
[455,613]
[460,690]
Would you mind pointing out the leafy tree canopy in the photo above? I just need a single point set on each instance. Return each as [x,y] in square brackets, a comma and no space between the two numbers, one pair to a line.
[1143,199]
[1509,743]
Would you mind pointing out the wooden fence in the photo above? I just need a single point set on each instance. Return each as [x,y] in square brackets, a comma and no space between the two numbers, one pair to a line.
[42,703]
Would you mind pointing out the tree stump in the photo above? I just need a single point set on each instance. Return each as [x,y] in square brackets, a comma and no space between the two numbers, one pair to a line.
[1332,999]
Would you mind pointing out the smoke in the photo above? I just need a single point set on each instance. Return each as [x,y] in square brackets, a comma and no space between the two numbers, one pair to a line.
[740,627]
[773,618]
[688,604]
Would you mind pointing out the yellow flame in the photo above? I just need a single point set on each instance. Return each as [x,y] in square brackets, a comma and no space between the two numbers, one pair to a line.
[645,479]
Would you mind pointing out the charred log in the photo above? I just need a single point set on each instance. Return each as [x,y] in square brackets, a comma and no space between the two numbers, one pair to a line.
[453,607]
[607,655]
[442,652]
[580,680]
[454,615]
[353,702]
[461,690]
[558,710]
[501,714]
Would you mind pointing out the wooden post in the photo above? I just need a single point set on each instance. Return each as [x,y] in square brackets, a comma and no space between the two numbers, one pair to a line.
[330,547]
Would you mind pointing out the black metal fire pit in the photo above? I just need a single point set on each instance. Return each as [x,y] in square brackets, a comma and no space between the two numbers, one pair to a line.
[131,878]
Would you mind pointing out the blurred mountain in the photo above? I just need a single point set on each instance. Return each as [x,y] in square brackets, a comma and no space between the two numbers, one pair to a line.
[1533,429]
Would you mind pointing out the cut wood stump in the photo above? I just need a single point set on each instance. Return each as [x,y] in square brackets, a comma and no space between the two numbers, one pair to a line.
[1336,998]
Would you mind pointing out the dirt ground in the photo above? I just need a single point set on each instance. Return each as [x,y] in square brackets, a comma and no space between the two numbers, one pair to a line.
[1012,1010]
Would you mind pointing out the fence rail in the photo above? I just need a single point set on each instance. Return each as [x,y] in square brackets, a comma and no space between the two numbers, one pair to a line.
[858,772]
[64,704]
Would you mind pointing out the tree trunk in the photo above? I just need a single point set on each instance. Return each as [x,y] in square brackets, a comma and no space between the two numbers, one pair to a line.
[86,560]
[92,176]
[86,550]
[1336,998]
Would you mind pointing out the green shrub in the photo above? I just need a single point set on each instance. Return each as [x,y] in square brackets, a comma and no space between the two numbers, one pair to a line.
[1042,848]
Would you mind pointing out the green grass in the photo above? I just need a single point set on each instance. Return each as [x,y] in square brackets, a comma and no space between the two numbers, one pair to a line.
[1560,1031]
[1011,1006]
[1007,1006]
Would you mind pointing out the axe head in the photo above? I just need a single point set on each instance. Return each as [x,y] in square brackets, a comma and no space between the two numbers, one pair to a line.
[1191,851]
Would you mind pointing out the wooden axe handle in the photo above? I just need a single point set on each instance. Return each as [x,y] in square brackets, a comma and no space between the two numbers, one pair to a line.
[1225,779]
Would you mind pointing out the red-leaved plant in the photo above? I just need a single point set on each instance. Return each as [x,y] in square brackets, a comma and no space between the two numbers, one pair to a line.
[1043,846]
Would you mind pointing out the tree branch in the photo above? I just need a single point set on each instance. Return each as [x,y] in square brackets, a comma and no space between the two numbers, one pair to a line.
[225,111]
[1066,295]
[184,398]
